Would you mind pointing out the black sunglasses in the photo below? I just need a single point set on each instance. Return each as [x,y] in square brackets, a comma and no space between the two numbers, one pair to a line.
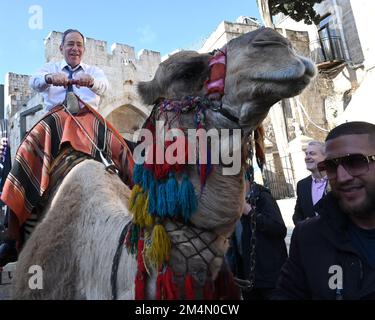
[354,164]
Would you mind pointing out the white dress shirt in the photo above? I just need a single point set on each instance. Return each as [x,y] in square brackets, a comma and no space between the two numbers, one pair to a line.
[55,95]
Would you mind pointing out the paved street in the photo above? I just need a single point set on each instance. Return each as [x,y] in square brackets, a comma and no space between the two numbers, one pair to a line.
[287,209]
[4,287]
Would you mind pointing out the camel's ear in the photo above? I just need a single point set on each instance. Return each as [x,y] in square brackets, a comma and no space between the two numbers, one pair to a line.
[149,91]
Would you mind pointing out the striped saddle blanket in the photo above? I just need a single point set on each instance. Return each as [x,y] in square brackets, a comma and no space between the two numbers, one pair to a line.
[30,176]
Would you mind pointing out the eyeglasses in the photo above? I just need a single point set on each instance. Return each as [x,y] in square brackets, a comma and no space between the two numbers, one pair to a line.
[354,164]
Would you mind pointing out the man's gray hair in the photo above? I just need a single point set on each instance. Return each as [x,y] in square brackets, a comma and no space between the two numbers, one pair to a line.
[319,144]
[66,32]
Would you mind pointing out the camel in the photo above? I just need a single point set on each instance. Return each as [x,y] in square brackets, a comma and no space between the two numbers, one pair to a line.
[77,239]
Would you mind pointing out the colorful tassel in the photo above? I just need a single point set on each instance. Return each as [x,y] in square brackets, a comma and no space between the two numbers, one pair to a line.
[189,287]
[133,196]
[161,170]
[205,168]
[208,289]
[162,209]
[140,286]
[172,195]
[152,197]
[159,287]
[138,173]
[171,290]
[146,179]
[160,247]
[140,280]
[187,198]
[147,218]
[166,288]
[137,209]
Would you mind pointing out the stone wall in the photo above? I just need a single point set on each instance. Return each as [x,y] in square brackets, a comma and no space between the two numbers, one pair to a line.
[227,31]
[17,93]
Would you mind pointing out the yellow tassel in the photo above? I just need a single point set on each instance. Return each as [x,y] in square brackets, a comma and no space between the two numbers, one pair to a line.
[160,248]
[147,218]
[137,210]
[133,195]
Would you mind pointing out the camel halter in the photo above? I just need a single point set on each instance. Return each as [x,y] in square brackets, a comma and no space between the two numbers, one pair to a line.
[215,84]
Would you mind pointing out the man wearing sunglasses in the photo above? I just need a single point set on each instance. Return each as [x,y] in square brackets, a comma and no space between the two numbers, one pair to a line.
[332,256]
[312,188]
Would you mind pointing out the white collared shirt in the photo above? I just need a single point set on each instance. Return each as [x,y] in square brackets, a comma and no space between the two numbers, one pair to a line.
[54,95]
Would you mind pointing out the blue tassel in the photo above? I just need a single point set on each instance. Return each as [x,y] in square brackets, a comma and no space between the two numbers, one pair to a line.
[172,195]
[187,198]
[152,197]
[162,209]
[146,179]
[138,174]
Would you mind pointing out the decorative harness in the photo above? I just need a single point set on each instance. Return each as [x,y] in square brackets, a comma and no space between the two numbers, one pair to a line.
[161,205]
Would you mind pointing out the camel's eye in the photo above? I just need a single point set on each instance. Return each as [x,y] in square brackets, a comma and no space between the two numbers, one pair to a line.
[263,43]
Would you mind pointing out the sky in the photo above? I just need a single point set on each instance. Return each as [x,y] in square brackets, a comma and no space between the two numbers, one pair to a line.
[158,25]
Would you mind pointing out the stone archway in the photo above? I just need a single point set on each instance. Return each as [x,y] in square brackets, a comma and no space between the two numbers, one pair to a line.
[127,119]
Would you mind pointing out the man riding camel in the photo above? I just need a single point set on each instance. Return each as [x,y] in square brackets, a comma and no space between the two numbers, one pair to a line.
[86,132]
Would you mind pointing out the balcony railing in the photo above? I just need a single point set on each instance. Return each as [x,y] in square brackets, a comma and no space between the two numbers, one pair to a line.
[328,52]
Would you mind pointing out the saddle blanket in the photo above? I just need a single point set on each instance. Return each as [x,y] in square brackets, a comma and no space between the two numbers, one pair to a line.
[29,177]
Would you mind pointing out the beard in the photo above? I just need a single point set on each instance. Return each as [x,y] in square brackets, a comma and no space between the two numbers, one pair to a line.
[364,210]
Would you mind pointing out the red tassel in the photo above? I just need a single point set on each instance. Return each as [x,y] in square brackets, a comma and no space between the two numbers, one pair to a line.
[140,280]
[208,290]
[171,291]
[140,286]
[140,263]
[181,162]
[189,287]
[159,286]
[166,288]
[162,170]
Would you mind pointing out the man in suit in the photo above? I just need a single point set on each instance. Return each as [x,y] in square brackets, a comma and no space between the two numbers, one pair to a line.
[312,188]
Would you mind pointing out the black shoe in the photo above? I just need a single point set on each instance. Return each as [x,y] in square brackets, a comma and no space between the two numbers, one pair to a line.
[8,252]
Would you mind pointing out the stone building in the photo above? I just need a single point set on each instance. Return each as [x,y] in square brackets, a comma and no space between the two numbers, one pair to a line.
[342,46]
[121,105]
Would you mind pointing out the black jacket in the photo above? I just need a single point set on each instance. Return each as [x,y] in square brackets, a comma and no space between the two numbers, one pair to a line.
[270,247]
[304,206]
[317,244]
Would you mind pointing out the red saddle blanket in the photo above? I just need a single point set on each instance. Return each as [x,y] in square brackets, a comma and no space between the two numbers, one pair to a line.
[30,174]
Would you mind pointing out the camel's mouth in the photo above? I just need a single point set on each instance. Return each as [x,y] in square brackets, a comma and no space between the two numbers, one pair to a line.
[301,72]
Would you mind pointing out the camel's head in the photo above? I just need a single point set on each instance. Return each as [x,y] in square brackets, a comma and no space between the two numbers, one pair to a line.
[261,69]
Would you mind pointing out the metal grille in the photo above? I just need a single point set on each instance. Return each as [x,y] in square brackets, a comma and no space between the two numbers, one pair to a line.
[278,177]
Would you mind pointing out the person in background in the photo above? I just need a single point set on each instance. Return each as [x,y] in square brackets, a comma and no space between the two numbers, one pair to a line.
[312,188]
[332,256]
[262,261]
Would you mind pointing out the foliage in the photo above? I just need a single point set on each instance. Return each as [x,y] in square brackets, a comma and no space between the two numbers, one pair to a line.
[297,10]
